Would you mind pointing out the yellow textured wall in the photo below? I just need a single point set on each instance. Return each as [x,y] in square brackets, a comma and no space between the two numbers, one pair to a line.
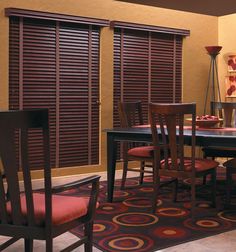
[203,31]
[227,31]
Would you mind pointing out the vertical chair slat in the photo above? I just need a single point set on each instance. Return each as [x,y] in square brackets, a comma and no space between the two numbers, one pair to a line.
[181,141]
[47,175]
[27,177]
[8,155]
[171,126]
[3,212]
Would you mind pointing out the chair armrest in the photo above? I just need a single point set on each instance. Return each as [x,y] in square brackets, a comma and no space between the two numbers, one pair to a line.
[230,163]
[92,197]
[75,184]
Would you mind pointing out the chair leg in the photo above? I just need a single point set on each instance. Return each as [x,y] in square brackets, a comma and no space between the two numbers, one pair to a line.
[213,181]
[228,186]
[49,244]
[175,190]
[142,166]
[88,232]
[156,188]
[205,176]
[29,245]
[124,175]
[193,197]
[204,180]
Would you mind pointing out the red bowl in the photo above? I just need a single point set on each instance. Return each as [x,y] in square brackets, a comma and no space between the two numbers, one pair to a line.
[206,123]
[212,50]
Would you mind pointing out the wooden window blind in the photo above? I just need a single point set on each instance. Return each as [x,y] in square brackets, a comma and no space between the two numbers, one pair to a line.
[55,64]
[147,64]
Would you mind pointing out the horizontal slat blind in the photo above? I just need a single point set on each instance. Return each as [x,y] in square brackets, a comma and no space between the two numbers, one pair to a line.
[74,95]
[117,78]
[178,68]
[56,65]
[33,75]
[39,77]
[14,59]
[14,76]
[131,68]
[147,67]
[95,94]
[166,67]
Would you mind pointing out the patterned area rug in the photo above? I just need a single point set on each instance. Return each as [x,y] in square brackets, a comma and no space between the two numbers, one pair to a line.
[127,224]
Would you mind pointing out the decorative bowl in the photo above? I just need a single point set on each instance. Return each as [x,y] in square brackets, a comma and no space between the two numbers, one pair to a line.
[212,50]
[204,123]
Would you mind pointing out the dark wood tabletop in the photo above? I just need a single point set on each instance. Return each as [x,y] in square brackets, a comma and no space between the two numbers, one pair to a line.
[204,137]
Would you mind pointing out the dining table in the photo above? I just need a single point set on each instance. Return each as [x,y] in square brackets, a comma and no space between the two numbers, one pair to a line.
[215,136]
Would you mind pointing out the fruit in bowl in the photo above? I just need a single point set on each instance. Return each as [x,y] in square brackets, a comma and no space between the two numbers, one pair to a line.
[207,117]
[207,121]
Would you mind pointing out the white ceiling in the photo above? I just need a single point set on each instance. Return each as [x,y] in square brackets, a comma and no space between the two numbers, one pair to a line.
[207,7]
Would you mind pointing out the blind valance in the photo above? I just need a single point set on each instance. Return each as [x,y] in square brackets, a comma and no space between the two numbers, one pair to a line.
[10,12]
[149,28]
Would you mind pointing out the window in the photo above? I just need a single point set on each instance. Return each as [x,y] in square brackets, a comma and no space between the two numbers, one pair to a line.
[54,63]
[147,64]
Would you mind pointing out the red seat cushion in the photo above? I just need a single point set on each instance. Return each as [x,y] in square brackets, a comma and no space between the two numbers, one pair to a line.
[200,164]
[64,208]
[142,151]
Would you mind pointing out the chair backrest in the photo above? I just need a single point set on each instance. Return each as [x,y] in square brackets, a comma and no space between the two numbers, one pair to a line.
[167,125]
[16,127]
[130,113]
[225,110]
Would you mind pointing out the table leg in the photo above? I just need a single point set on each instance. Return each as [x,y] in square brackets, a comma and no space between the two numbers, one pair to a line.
[111,165]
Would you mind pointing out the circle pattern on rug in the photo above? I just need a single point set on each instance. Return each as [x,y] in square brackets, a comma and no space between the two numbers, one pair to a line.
[207,224]
[188,181]
[171,232]
[111,208]
[198,204]
[204,205]
[121,194]
[228,215]
[146,189]
[128,182]
[148,179]
[135,219]
[139,202]
[129,242]
[102,228]
[172,212]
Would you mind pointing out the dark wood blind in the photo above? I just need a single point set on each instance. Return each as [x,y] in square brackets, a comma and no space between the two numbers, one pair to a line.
[147,65]
[55,65]
[79,93]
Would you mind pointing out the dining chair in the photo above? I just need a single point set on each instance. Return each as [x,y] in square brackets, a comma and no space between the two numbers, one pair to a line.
[130,114]
[167,126]
[38,214]
[227,111]
[230,166]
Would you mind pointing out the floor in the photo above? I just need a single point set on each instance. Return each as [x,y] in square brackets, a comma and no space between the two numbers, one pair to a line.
[224,242]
